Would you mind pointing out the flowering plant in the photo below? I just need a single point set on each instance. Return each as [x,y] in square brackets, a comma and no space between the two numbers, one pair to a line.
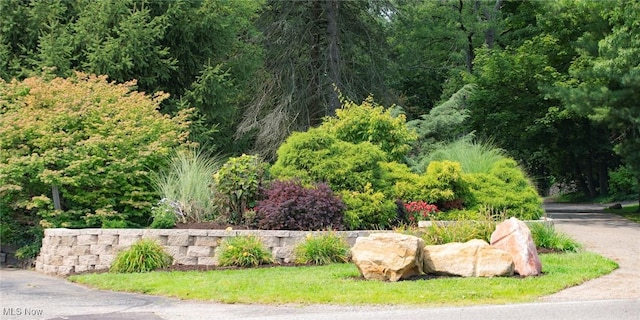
[419,210]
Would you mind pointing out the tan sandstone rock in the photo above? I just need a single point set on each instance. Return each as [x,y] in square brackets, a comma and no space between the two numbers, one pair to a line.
[388,256]
[475,258]
[515,237]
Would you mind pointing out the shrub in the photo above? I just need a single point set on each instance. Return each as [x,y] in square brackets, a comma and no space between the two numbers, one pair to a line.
[238,185]
[243,251]
[444,184]
[316,155]
[420,210]
[368,209]
[288,205]
[188,185]
[545,236]
[369,122]
[505,188]
[93,141]
[322,249]
[623,183]
[143,256]
[164,215]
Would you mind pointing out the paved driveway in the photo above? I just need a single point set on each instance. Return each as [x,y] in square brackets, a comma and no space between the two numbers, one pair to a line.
[30,295]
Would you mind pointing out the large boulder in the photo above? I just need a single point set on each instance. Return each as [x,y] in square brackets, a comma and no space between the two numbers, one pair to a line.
[515,237]
[388,256]
[475,258]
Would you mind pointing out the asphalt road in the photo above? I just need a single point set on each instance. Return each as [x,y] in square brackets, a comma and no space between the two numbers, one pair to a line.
[29,295]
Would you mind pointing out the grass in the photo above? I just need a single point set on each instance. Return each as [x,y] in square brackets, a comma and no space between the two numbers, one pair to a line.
[188,184]
[474,157]
[545,236]
[628,212]
[341,284]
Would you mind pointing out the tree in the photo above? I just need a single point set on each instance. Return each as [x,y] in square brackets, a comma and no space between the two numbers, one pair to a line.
[78,152]
[605,85]
[313,49]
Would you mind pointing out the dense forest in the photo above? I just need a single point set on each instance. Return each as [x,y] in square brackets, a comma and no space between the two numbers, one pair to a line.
[556,84]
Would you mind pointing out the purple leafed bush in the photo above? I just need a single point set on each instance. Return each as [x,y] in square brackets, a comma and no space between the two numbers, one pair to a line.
[288,205]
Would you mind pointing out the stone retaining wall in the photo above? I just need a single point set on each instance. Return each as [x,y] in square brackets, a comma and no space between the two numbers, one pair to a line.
[67,251]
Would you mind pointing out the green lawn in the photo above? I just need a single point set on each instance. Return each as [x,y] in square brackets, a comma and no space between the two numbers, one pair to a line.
[340,284]
[629,212]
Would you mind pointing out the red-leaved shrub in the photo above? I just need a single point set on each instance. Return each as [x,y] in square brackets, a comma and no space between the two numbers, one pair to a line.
[288,205]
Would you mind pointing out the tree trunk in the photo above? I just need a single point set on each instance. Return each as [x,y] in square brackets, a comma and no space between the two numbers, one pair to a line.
[334,56]
[491,15]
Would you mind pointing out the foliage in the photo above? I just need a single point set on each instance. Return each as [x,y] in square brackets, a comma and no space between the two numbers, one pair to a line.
[288,205]
[170,46]
[243,251]
[367,210]
[546,236]
[238,184]
[505,188]
[622,182]
[339,284]
[420,210]
[312,50]
[317,155]
[474,157]
[370,122]
[163,215]
[143,256]
[456,231]
[444,123]
[188,185]
[83,137]
[320,249]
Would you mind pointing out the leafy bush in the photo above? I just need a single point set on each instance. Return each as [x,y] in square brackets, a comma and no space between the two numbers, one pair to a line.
[316,155]
[143,256]
[238,185]
[95,142]
[505,188]
[369,122]
[243,251]
[545,236]
[188,185]
[623,183]
[368,210]
[288,205]
[322,249]
[420,210]
[164,215]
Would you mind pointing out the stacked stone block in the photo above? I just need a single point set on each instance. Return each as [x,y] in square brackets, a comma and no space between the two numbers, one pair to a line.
[67,251]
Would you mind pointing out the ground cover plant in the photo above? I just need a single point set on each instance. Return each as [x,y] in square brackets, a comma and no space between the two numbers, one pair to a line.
[341,284]
[630,212]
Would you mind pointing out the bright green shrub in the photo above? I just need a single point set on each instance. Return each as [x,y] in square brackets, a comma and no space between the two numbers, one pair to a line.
[317,156]
[96,141]
[474,157]
[505,188]
[188,186]
[243,251]
[369,122]
[368,209]
[322,249]
[143,256]
[238,183]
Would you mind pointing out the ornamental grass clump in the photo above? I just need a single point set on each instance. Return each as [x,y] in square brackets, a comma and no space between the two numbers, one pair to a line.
[143,256]
[545,236]
[322,249]
[243,251]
